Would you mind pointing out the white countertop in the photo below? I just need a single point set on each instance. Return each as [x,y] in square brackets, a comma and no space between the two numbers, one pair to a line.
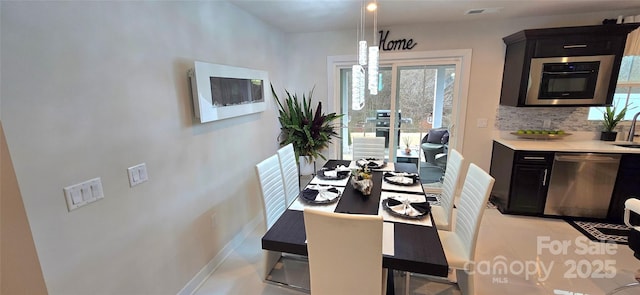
[566,145]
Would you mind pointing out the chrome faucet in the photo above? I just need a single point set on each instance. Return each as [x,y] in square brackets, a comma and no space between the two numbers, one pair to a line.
[632,129]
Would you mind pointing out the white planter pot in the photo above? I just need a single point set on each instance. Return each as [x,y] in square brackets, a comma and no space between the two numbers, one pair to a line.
[306,167]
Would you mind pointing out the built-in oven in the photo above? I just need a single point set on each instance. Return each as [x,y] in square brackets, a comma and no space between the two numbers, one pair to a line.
[573,80]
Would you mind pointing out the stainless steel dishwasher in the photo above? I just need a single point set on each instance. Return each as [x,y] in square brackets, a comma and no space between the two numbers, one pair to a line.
[581,184]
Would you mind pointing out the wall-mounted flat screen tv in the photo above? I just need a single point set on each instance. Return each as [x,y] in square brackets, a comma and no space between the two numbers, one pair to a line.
[221,91]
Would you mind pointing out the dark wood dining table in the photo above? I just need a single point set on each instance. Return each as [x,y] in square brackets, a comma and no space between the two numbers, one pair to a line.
[417,248]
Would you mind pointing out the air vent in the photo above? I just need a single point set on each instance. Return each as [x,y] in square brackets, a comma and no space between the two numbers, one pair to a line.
[483,10]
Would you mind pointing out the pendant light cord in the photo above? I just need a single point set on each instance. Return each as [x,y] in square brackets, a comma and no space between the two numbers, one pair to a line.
[375,25]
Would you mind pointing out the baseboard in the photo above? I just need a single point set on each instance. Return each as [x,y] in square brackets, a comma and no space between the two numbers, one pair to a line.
[194,284]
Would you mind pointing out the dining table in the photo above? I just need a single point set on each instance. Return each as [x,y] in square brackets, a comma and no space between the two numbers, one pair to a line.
[411,245]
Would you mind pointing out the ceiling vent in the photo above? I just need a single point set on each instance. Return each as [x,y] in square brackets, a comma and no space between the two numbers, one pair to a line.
[482,10]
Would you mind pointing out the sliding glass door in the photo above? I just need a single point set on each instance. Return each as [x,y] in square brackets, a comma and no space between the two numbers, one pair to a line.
[413,98]
[371,121]
[424,98]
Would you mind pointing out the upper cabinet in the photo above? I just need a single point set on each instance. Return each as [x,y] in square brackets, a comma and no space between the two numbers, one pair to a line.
[573,66]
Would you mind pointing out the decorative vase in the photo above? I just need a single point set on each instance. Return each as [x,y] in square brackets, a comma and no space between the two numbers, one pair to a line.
[361,181]
[306,167]
[363,185]
[608,135]
[407,151]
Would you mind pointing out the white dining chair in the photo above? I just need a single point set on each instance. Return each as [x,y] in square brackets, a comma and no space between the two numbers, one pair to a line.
[345,253]
[443,214]
[460,244]
[287,158]
[274,203]
[368,147]
[272,188]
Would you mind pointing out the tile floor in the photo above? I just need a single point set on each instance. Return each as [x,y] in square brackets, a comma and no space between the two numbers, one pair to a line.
[504,240]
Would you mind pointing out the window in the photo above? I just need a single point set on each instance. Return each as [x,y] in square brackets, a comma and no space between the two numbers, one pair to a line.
[627,89]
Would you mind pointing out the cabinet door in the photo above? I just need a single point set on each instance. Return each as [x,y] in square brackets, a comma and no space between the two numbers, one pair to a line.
[627,186]
[529,189]
[577,46]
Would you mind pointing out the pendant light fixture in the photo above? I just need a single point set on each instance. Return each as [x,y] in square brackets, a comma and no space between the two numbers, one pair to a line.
[358,71]
[373,52]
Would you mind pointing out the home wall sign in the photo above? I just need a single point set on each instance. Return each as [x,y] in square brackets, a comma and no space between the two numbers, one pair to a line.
[399,44]
[221,91]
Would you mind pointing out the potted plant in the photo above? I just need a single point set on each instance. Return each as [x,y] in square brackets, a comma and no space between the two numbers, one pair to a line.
[310,131]
[611,120]
[407,144]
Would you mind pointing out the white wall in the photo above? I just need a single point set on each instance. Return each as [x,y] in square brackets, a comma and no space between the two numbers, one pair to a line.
[485,40]
[91,88]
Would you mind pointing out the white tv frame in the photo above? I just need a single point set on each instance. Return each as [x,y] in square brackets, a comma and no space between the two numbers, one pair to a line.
[201,91]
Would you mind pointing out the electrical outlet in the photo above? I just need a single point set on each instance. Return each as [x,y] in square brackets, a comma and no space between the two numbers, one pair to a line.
[546,124]
[482,123]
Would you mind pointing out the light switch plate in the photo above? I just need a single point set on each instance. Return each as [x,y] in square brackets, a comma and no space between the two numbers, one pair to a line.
[137,174]
[483,122]
[83,193]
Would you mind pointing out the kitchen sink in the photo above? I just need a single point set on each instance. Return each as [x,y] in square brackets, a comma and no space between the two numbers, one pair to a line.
[629,145]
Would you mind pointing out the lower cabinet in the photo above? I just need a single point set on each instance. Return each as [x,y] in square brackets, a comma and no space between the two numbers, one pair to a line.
[522,182]
[522,179]
[627,186]
[529,188]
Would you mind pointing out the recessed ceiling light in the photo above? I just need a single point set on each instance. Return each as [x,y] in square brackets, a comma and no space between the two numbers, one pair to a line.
[372,6]
[483,10]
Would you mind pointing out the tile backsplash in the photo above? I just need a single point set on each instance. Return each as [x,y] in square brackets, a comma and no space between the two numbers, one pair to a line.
[565,118]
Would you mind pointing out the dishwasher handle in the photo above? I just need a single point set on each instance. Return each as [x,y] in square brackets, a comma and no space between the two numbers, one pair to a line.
[587,158]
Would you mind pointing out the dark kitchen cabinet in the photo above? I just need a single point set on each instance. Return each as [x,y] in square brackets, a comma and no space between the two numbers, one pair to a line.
[558,42]
[627,186]
[521,179]
[577,46]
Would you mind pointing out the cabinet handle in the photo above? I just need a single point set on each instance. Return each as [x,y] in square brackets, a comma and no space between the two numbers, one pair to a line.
[544,179]
[533,158]
[575,46]
[565,73]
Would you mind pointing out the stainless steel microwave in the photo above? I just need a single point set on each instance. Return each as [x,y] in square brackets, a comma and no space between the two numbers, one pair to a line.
[574,80]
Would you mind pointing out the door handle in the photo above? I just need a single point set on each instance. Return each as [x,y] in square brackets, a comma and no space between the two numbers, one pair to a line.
[599,159]
[544,179]
[567,73]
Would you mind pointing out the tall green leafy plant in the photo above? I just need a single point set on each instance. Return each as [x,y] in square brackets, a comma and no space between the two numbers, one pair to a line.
[310,131]
[611,118]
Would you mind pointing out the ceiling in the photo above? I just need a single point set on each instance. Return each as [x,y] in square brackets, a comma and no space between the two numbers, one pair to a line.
[298,16]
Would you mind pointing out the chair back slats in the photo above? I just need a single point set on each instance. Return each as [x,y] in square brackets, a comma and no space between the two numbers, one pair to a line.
[272,187]
[287,158]
[344,252]
[473,200]
[368,147]
[450,183]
